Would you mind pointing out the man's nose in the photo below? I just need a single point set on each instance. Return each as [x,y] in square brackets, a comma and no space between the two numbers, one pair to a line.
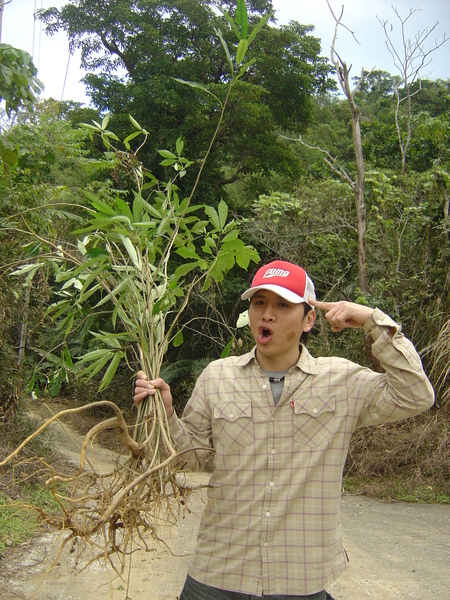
[268,314]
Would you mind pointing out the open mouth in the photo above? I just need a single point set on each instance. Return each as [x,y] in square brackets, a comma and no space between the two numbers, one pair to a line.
[265,334]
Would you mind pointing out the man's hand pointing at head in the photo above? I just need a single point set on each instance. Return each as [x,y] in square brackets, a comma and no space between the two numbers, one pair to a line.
[342,315]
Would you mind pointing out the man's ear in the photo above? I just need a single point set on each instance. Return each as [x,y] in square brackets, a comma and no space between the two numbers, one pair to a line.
[310,319]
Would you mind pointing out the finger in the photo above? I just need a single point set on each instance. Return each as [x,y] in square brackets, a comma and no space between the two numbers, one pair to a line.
[321,305]
[138,397]
[143,383]
[159,383]
[141,375]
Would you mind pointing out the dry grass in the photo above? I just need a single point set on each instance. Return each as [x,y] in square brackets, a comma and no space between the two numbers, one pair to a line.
[413,454]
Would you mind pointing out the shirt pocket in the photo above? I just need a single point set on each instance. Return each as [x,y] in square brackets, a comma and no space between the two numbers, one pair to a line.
[314,421]
[233,424]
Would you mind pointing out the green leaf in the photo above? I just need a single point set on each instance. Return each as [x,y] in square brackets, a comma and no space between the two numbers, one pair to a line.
[178,339]
[242,18]
[243,69]
[231,236]
[124,208]
[27,269]
[125,319]
[179,146]
[258,27]
[67,359]
[96,252]
[245,255]
[167,154]
[183,270]
[132,253]
[95,355]
[106,120]
[213,216]
[242,49]
[135,123]
[128,139]
[138,208]
[227,52]
[99,204]
[187,252]
[97,365]
[226,351]
[111,370]
[152,210]
[109,339]
[57,308]
[89,279]
[198,86]
[96,127]
[110,134]
[223,213]
[230,21]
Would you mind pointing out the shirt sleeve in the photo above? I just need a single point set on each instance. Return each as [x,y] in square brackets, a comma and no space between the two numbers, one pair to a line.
[194,430]
[403,390]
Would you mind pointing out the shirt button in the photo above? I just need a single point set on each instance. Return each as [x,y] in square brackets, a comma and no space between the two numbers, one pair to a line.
[314,410]
[267,514]
[231,415]
[272,451]
[264,387]
[271,484]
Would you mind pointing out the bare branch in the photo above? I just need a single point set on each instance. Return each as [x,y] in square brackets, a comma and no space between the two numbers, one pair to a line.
[332,162]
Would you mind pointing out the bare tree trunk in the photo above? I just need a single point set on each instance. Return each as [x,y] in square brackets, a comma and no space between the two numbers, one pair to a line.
[343,75]
[360,202]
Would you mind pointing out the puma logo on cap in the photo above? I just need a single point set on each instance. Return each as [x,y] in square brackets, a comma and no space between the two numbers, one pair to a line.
[275,273]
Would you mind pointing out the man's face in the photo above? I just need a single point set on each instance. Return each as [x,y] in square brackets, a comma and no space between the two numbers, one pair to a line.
[277,326]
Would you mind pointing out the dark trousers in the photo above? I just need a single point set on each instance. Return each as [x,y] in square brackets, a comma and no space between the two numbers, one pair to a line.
[194,590]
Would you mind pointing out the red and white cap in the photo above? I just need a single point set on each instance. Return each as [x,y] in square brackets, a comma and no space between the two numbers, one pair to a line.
[289,281]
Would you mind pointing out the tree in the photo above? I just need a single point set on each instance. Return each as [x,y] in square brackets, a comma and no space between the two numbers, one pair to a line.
[143,47]
[410,60]
[18,82]
[43,163]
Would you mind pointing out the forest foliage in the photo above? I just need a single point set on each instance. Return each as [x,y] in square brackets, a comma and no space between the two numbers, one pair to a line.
[287,202]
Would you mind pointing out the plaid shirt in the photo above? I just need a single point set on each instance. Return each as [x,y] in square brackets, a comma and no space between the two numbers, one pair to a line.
[271,524]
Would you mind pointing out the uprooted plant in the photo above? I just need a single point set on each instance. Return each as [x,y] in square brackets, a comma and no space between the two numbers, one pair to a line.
[136,265]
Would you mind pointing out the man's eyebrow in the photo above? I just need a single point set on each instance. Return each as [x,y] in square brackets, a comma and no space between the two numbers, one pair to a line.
[261,294]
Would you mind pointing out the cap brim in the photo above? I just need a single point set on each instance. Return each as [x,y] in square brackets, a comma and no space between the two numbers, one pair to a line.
[281,291]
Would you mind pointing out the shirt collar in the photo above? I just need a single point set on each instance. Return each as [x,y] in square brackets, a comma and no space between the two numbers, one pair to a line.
[306,362]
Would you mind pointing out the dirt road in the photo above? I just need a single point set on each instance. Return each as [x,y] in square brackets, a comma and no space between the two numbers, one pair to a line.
[396,550]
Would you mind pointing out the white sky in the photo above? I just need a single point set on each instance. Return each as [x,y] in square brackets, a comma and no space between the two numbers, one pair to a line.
[61,76]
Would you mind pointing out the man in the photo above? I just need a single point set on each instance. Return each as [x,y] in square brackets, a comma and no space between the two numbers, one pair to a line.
[280,423]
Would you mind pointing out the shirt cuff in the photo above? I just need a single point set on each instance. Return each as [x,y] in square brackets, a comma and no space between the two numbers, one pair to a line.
[378,323]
